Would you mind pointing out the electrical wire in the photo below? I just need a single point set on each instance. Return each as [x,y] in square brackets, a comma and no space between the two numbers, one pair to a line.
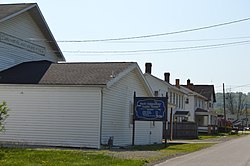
[161,34]
[160,50]
[152,35]
[177,41]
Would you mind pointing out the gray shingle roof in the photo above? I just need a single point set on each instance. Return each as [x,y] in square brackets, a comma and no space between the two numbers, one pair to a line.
[205,90]
[43,72]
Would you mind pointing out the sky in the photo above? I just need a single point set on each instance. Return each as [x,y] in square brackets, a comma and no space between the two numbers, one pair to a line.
[211,56]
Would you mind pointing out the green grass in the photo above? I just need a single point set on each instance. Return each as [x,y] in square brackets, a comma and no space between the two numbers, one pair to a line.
[58,157]
[203,137]
[185,148]
[171,149]
[52,157]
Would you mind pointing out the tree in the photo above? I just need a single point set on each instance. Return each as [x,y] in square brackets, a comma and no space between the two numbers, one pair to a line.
[236,102]
[3,114]
[240,104]
[231,102]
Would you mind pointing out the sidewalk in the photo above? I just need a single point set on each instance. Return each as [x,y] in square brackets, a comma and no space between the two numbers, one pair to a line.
[211,140]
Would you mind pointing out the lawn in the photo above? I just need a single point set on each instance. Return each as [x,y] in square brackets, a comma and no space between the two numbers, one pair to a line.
[56,157]
[59,157]
[220,135]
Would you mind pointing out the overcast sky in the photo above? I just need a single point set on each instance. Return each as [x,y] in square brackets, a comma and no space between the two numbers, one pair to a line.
[189,55]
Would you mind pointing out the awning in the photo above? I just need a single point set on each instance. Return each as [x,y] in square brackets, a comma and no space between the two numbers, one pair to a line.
[182,113]
[200,111]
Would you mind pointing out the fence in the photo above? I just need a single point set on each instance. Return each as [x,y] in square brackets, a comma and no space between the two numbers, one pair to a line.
[183,130]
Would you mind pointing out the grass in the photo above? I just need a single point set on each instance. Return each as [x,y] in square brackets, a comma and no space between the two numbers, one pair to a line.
[172,149]
[219,135]
[54,157]
[203,137]
[57,157]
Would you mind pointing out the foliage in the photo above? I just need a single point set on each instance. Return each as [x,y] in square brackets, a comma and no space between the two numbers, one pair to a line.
[235,103]
[3,114]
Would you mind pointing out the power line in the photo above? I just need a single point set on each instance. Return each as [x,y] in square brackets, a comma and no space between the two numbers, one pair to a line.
[145,41]
[160,50]
[159,34]
[183,40]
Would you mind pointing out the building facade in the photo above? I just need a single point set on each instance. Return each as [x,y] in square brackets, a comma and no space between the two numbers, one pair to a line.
[25,36]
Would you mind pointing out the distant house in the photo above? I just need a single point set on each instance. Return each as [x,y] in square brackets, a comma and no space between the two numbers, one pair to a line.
[189,103]
[204,112]
[25,36]
[75,104]
[176,96]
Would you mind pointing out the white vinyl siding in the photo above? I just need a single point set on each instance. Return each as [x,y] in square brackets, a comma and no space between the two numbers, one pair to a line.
[23,27]
[117,113]
[53,116]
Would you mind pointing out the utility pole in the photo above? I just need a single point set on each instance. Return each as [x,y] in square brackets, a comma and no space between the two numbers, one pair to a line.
[224,105]
[246,117]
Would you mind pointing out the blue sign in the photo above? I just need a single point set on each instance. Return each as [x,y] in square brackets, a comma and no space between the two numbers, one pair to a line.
[150,109]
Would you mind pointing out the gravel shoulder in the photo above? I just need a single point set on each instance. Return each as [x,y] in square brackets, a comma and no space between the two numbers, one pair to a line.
[128,153]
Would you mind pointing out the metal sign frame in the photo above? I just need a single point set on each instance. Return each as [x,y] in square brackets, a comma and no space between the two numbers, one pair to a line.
[150,109]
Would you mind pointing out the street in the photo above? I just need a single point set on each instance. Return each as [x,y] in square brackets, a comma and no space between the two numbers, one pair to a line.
[235,152]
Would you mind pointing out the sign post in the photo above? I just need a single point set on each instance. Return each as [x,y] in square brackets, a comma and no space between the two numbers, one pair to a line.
[133,135]
[166,119]
[149,109]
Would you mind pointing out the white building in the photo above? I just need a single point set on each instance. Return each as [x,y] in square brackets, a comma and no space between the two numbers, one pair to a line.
[176,96]
[75,104]
[25,36]
[64,104]
[202,103]
[193,103]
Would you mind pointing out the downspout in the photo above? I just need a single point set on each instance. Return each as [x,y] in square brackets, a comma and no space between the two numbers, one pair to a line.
[101,115]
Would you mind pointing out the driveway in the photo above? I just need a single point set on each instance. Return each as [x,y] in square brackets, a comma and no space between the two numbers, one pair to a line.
[235,152]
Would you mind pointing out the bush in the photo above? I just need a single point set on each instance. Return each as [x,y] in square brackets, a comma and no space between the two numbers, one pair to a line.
[3,114]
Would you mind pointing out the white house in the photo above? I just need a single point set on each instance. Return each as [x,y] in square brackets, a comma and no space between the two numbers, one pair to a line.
[193,103]
[75,104]
[25,36]
[202,98]
[176,96]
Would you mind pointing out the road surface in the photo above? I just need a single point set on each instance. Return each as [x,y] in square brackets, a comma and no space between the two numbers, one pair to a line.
[235,152]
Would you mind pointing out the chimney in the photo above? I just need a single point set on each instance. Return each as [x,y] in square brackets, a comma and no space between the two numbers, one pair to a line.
[189,84]
[166,77]
[177,83]
[148,68]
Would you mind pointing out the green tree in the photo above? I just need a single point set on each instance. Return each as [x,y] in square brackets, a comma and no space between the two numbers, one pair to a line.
[3,114]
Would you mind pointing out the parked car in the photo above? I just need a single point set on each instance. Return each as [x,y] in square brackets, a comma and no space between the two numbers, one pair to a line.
[246,128]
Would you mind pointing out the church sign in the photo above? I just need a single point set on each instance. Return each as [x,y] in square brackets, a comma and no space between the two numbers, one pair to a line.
[150,109]
[20,43]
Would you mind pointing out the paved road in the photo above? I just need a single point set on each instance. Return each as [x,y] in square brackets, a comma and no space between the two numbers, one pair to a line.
[235,152]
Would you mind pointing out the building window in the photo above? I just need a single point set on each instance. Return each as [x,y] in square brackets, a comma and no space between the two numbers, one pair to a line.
[156,93]
[182,102]
[177,101]
[173,98]
[171,95]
